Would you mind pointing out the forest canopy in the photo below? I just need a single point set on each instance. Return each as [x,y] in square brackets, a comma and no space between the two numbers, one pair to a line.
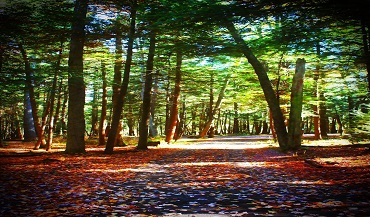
[171,68]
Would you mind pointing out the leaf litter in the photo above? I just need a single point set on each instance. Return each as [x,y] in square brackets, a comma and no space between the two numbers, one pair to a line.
[188,182]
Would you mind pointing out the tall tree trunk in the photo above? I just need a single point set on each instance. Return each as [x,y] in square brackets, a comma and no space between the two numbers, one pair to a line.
[76,85]
[221,95]
[295,119]
[117,112]
[52,100]
[103,114]
[172,122]
[144,122]
[265,83]
[32,98]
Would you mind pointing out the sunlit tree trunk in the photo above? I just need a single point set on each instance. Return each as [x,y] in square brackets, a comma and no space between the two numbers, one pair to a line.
[123,91]
[265,83]
[209,123]
[103,114]
[144,122]
[172,122]
[76,85]
[295,115]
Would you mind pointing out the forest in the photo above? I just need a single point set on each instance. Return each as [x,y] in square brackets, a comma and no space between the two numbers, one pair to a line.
[160,70]
[184,108]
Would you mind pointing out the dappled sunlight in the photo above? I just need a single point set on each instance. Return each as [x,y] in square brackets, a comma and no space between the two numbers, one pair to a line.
[299,182]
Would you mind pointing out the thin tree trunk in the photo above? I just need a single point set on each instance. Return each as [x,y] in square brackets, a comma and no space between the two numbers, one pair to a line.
[144,123]
[117,112]
[211,132]
[172,122]
[103,115]
[265,83]
[49,141]
[295,119]
[63,125]
[94,113]
[58,106]
[76,85]
[221,95]
[152,122]
[236,119]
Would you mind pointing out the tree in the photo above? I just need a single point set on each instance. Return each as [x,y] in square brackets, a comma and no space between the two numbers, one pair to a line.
[265,84]
[295,118]
[146,105]
[209,123]
[126,76]
[76,86]
[174,112]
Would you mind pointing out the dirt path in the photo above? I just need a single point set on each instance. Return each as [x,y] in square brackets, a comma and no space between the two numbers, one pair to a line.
[228,182]
[230,178]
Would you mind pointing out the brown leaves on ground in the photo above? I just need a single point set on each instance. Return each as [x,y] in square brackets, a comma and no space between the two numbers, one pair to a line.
[172,181]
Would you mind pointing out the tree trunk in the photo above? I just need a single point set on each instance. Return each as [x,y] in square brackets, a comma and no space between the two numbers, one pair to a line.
[323,117]
[152,122]
[172,122]
[103,115]
[265,83]
[211,132]
[144,123]
[76,85]
[49,141]
[236,119]
[221,95]
[32,98]
[63,125]
[123,91]
[28,123]
[295,119]
[94,113]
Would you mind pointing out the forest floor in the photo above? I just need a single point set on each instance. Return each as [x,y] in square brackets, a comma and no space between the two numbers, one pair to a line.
[226,176]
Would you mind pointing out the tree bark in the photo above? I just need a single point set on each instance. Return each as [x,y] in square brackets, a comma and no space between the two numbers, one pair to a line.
[221,95]
[32,98]
[172,122]
[28,123]
[126,77]
[103,114]
[52,100]
[76,85]
[295,119]
[144,122]
[265,83]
